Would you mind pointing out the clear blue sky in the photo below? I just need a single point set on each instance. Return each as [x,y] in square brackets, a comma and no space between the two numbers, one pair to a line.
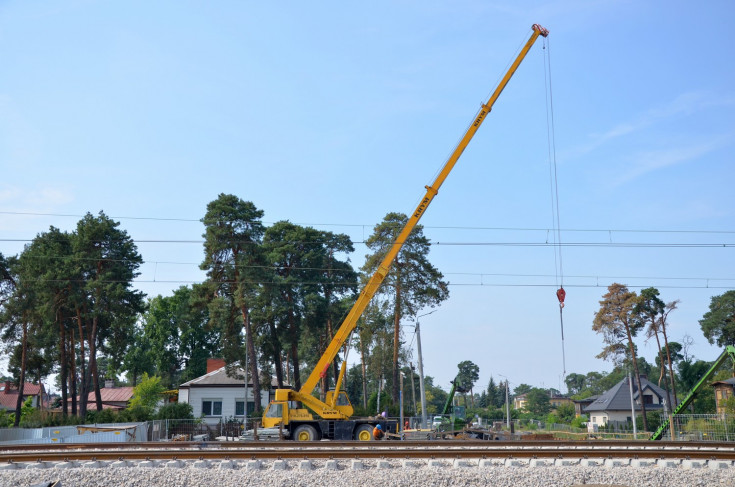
[332,115]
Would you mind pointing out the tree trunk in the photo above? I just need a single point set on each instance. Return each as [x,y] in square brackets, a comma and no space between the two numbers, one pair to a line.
[637,377]
[364,375]
[73,378]
[324,378]
[662,374]
[22,379]
[396,334]
[93,363]
[671,368]
[277,361]
[252,358]
[83,370]
[63,371]
[295,365]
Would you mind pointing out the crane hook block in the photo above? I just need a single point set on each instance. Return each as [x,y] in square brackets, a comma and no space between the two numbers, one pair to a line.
[561,294]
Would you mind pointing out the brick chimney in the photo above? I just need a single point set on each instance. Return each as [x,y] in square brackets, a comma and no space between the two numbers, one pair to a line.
[214,364]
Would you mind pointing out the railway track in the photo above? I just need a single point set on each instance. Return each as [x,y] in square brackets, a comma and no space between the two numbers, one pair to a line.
[368,450]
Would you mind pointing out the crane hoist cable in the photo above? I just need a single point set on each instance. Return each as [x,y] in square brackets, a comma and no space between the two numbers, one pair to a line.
[554,183]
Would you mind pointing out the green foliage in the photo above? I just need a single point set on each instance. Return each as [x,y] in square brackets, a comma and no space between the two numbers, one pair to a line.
[579,421]
[718,324]
[653,419]
[386,403]
[537,402]
[6,418]
[147,394]
[522,389]
[565,413]
[175,410]
[30,417]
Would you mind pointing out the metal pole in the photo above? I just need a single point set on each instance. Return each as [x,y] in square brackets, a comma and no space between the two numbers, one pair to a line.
[401,402]
[245,401]
[632,406]
[507,402]
[421,377]
[413,391]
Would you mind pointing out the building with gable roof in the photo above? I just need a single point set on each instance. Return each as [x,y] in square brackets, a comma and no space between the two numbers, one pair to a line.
[614,405]
[9,394]
[217,397]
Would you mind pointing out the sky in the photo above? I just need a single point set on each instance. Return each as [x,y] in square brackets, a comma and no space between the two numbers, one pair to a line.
[332,115]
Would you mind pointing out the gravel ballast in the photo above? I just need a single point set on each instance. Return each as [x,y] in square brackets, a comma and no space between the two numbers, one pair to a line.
[441,473]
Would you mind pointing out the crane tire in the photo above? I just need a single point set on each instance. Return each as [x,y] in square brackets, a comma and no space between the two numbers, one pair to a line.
[305,432]
[364,432]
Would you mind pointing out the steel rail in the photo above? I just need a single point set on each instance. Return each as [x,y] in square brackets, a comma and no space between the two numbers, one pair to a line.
[277,445]
[384,450]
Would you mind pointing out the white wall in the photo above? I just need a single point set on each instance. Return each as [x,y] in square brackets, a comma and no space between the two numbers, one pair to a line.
[227,395]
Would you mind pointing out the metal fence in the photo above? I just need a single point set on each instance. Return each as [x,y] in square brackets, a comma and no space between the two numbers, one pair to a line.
[194,429]
[701,427]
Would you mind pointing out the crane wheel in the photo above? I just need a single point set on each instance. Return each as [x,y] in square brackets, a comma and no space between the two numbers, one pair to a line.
[364,432]
[305,432]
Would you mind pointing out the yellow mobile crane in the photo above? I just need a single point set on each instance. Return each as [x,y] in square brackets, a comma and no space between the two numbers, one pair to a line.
[334,421]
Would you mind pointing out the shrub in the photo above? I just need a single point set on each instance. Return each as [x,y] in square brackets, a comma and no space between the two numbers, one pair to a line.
[176,410]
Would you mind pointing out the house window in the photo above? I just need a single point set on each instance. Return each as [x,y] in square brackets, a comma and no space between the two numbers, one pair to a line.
[239,407]
[212,407]
[647,399]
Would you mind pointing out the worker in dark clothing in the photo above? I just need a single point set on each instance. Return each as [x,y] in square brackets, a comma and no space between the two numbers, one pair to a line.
[378,432]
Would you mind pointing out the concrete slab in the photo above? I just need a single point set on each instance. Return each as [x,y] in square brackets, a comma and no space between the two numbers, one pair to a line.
[566,462]
[616,462]
[591,462]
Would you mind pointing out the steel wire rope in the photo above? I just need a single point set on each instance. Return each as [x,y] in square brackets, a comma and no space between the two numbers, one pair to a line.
[554,193]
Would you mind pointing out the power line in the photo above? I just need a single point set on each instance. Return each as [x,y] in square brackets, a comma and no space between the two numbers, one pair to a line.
[437,227]
[467,244]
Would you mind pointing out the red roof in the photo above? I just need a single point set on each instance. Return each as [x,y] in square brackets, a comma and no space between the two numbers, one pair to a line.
[111,394]
[9,393]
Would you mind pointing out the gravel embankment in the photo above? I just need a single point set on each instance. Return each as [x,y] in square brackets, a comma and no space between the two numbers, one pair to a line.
[495,476]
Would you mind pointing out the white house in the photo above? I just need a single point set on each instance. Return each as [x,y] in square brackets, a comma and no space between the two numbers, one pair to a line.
[216,396]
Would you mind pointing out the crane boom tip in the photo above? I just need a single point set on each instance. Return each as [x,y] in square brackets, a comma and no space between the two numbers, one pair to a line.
[541,30]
